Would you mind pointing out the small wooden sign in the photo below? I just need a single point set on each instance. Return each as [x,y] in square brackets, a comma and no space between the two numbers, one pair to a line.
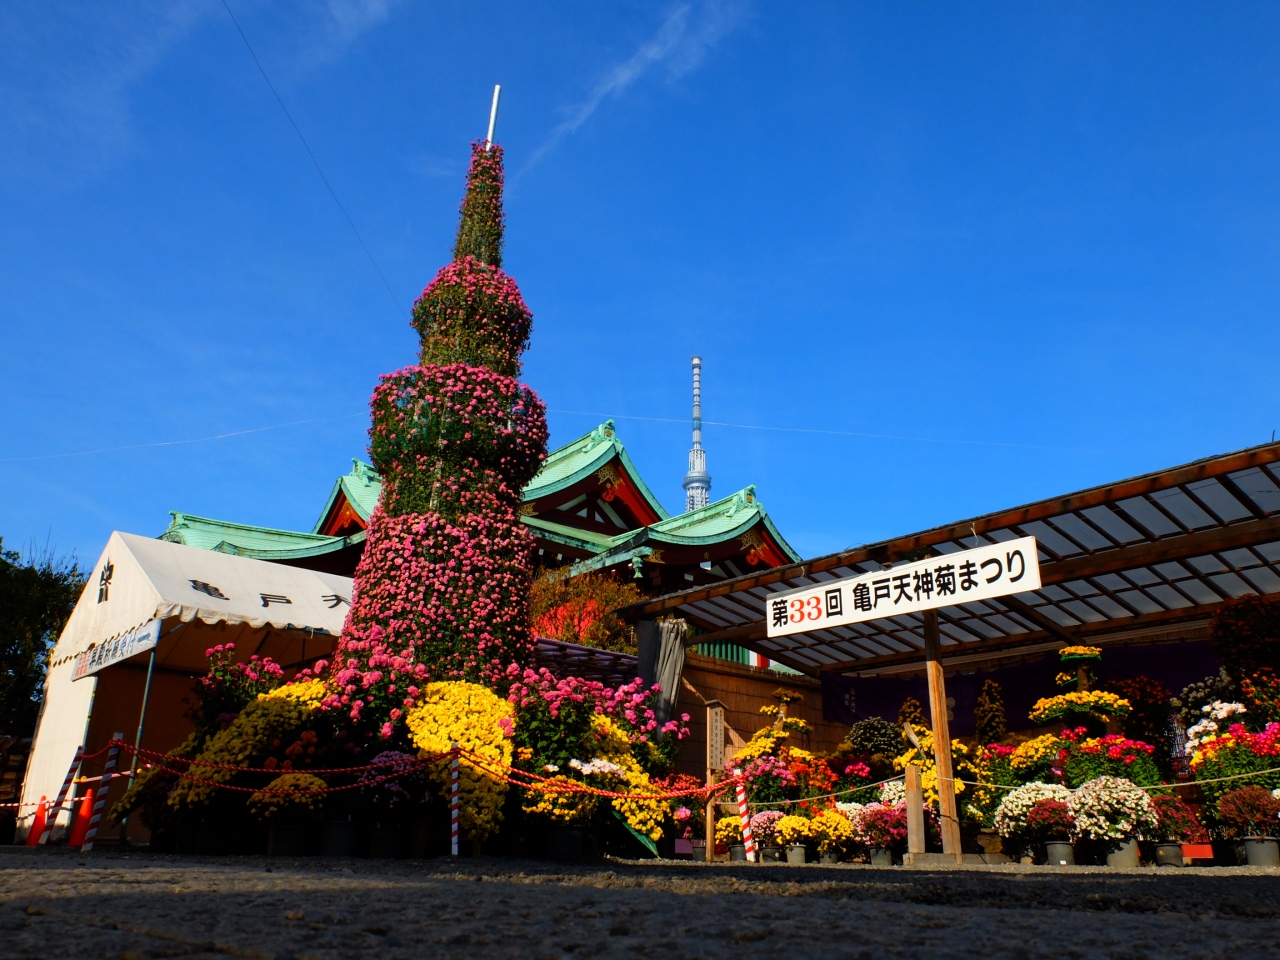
[715,736]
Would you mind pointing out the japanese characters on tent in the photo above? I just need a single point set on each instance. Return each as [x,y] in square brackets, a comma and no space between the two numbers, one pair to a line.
[137,641]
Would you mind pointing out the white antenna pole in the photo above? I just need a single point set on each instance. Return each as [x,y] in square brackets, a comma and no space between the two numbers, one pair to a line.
[493,116]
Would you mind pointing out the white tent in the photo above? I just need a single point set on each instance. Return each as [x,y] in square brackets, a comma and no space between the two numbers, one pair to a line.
[200,599]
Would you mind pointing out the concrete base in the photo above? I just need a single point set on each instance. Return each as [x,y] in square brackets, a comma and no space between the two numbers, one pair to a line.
[950,860]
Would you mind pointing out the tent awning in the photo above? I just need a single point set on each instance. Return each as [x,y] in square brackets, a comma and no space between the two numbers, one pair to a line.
[1143,558]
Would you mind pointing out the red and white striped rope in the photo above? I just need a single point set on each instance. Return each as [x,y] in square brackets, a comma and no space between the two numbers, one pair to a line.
[51,816]
[100,804]
[453,798]
[744,813]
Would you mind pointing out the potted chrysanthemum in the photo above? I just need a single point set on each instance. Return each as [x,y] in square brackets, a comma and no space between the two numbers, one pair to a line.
[1250,812]
[882,829]
[1117,813]
[793,834]
[1176,824]
[1012,822]
[1051,821]
[764,827]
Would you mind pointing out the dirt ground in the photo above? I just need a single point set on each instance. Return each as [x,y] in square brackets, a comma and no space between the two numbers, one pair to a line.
[55,903]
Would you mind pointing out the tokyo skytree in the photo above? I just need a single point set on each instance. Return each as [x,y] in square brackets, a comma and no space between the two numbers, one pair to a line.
[697,482]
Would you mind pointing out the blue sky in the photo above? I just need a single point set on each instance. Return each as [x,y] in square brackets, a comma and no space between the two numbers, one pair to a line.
[988,253]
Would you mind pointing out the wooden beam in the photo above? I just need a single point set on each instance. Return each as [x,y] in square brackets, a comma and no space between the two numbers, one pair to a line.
[1083,633]
[888,551]
[1037,617]
[950,814]
[1178,547]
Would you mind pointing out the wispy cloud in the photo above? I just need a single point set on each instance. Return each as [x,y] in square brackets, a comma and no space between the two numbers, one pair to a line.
[678,46]
[70,72]
[66,76]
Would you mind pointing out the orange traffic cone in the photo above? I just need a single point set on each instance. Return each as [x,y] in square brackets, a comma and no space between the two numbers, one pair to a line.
[37,828]
[80,826]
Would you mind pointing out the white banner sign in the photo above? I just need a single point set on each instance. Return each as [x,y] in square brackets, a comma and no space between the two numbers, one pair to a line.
[102,655]
[978,574]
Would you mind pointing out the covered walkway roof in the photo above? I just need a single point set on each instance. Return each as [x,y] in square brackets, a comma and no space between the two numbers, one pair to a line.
[1143,559]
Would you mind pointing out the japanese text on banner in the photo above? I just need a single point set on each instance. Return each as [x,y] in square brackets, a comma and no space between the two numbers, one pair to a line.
[996,570]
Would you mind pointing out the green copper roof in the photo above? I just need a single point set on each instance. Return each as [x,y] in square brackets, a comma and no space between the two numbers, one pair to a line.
[241,539]
[361,487]
[715,523]
[580,458]
[578,539]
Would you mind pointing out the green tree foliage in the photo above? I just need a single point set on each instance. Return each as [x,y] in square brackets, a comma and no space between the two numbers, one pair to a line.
[37,595]
[988,713]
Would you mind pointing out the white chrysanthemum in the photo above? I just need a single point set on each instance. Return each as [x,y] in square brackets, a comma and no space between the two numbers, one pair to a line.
[1011,815]
[895,791]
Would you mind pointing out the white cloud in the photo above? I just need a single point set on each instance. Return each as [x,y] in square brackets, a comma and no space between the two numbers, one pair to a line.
[66,75]
[678,46]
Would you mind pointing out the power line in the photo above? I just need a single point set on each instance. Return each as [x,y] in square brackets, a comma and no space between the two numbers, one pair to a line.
[307,147]
[175,443]
[834,433]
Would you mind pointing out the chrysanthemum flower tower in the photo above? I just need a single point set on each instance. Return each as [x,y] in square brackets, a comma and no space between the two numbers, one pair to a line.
[442,589]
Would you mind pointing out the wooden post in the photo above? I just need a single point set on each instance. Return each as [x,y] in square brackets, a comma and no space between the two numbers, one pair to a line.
[715,764]
[915,811]
[941,736]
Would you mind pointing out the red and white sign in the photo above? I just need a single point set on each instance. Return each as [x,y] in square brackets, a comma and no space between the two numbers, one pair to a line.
[996,570]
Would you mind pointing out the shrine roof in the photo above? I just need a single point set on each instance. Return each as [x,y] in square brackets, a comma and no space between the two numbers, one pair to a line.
[361,488]
[575,537]
[579,459]
[716,523]
[245,540]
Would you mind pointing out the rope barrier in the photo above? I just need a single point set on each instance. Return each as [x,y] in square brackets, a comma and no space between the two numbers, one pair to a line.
[827,796]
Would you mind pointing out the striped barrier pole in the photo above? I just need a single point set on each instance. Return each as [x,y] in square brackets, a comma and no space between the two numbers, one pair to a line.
[100,805]
[744,812]
[453,798]
[62,796]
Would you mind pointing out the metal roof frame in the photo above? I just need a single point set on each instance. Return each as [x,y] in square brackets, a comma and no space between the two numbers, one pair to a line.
[1150,556]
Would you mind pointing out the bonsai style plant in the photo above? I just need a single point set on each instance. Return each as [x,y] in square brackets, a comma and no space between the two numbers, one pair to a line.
[1077,702]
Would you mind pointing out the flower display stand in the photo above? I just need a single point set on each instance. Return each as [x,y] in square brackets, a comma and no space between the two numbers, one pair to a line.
[1126,855]
[1060,853]
[1261,852]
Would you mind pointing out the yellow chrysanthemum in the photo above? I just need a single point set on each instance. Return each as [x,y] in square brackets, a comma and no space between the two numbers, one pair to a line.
[306,692]
[1035,752]
[1080,701]
[480,722]
[924,759]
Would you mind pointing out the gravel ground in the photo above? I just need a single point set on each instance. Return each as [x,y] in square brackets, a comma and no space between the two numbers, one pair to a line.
[55,903]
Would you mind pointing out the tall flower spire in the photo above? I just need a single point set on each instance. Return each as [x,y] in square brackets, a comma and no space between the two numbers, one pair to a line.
[441,591]
[697,482]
